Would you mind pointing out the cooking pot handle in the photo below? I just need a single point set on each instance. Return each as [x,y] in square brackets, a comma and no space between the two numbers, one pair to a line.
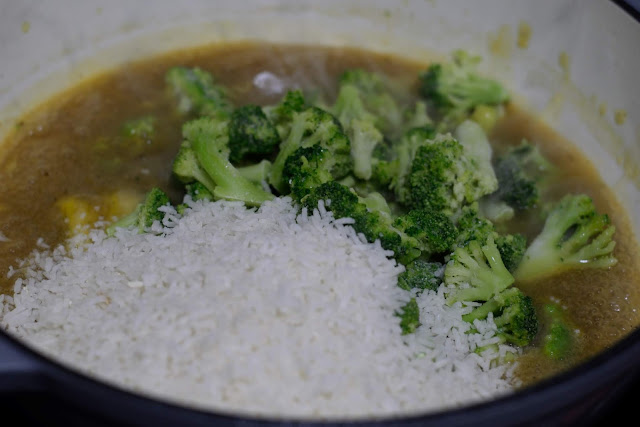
[19,370]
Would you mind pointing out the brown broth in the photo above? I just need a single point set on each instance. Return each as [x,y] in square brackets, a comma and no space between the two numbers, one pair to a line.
[52,154]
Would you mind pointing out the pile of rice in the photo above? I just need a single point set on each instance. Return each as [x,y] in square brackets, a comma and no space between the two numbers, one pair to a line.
[263,312]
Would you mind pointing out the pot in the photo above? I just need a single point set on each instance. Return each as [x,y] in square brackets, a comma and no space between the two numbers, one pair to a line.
[579,57]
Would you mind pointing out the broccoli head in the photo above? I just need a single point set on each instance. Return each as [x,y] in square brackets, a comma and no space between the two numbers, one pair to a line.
[373,224]
[409,316]
[477,148]
[558,339]
[441,177]
[205,151]
[472,226]
[251,134]
[364,137]
[513,314]
[197,92]
[434,230]
[574,236]
[364,95]
[310,127]
[281,114]
[455,89]
[519,173]
[307,168]
[421,274]
[476,272]
[145,213]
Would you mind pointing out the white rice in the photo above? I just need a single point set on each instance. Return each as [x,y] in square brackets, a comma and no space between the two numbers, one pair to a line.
[264,313]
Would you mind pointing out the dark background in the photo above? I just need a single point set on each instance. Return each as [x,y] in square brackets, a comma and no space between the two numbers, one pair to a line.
[41,409]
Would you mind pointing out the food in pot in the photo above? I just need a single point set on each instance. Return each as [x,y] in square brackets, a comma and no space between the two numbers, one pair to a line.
[308,232]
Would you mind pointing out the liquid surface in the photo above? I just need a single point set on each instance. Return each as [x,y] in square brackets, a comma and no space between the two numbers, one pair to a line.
[62,149]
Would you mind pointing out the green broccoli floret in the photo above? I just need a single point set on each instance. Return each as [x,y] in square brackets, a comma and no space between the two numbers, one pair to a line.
[409,316]
[455,89]
[434,230]
[198,191]
[472,226]
[512,248]
[574,236]
[520,171]
[375,201]
[417,117]
[197,92]
[307,168]
[364,138]
[145,213]
[206,151]
[441,177]
[496,210]
[373,92]
[513,314]
[421,274]
[481,268]
[384,172]
[559,338]
[281,114]
[251,134]
[477,148]
[310,127]
[374,225]
[256,173]
[188,170]
[404,154]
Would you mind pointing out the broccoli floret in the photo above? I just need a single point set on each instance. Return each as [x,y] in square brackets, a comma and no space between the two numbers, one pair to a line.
[364,138]
[281,114]
[188,170]
[375,201]
[513,314]
[471,226]
[487,116]
[558,339]
[519,172]
[421,274]
[206,151]
[574,236]
[307,168]
[477,148]
[496,210]
[481,268]
[197,92]
[409,316]
[455,89]
[512,248]
[310,127]
[257,173]
[145,213]
[374,225]
[434,230]
[198,191]
[441,177]
[417,117]
[384,172]
[251,134]
[373,92]
[405,153]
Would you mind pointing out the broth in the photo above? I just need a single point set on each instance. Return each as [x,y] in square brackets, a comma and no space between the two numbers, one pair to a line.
[52,154]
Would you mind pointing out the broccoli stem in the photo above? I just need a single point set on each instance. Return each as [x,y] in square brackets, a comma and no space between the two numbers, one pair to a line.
[230,184]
